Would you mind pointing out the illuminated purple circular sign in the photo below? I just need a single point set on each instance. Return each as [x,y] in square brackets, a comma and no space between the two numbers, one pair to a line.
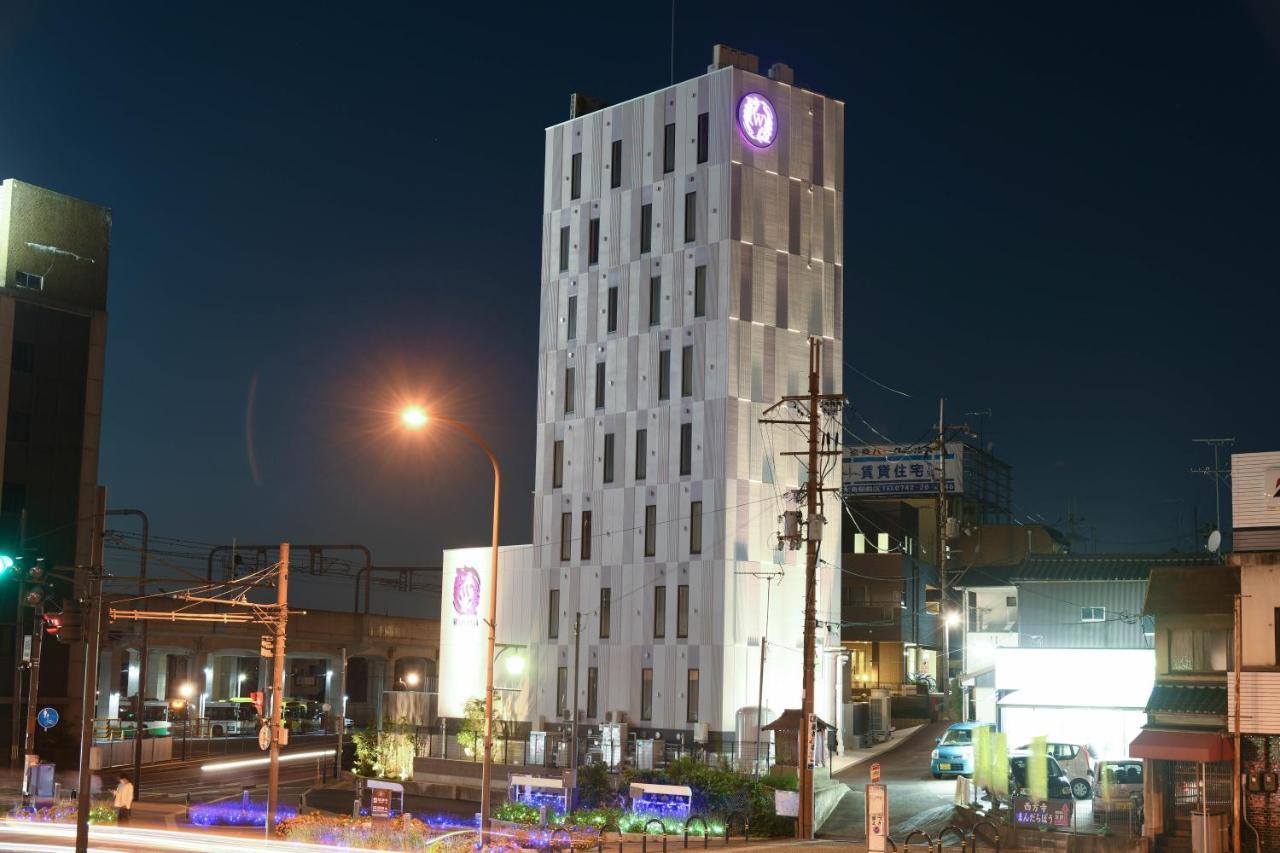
[757,120]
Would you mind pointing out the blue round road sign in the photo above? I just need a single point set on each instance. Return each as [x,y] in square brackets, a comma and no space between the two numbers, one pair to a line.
[47,718]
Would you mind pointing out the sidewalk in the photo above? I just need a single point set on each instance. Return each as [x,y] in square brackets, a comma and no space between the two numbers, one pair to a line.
[854,757]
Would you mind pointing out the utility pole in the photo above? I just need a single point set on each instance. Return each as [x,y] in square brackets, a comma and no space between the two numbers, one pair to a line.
[1235,758]
[573,714]
[88,700]
[941,548]
[33,686]
[342,714]
[17,648]
[1217,472]
[764,645]
[277,687]
[813,404]
[140,697]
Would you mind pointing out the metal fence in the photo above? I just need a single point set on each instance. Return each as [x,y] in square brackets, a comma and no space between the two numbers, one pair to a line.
[553,751]
[193,740]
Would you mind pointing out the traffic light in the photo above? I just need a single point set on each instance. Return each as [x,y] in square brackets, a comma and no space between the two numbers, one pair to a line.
[71,623]
[33,575]
[7,564]
[52,624]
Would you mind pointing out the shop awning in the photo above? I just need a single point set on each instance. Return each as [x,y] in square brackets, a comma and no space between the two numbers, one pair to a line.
[1181,746]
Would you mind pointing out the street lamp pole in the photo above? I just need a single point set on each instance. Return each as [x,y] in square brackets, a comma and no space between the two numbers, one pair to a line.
[415,418]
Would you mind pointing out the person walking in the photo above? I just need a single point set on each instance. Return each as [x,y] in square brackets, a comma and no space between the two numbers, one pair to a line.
[124,799]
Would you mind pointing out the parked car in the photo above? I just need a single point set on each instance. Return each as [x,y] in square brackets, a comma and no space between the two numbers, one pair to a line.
[1119,781]
[1077,761]
[1059,784]
[954,753]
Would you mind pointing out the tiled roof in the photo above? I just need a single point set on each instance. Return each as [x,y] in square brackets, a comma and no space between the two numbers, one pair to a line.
[1079,567]
[1188,699]
[1180,590]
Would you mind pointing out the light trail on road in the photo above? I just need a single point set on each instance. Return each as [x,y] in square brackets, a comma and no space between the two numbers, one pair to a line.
[112,839]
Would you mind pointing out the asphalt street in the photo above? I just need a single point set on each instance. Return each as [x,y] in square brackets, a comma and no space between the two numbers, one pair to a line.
[916,799]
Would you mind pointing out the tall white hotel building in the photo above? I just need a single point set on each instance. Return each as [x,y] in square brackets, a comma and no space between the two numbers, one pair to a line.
[691,244]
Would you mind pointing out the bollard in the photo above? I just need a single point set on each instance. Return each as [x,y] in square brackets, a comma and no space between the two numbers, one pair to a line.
[951,827]
[928,840]
[644,835]
[973,835]
[188,798]
[706,831]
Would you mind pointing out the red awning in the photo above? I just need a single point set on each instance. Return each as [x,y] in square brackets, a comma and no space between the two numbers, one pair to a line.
[1181,746]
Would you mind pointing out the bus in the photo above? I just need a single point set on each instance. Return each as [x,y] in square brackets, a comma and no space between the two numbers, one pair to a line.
[231,717]
[155,718]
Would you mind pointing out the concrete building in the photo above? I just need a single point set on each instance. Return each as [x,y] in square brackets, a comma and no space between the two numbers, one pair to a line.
[54,257]
[692,243]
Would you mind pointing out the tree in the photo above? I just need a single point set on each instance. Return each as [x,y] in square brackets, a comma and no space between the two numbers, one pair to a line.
[472,731]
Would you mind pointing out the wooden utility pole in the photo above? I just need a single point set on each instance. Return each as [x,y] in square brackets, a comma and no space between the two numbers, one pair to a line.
[813,405]
[342,714]
[88,700]
[277,687]
[1235,758]
[33,687]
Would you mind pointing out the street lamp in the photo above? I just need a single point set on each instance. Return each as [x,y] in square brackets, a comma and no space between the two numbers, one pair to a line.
[415,417]
[411,679]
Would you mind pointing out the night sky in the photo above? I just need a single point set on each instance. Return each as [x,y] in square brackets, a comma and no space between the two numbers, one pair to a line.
[1068,215]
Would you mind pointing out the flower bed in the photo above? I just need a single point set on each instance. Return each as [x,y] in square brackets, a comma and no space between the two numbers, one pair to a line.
[62,813]
[236,813]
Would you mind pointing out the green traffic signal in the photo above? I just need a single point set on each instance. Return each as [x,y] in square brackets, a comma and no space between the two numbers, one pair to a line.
[6,563]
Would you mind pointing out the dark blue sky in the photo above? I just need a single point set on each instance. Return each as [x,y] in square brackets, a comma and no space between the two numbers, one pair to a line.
[1081,202]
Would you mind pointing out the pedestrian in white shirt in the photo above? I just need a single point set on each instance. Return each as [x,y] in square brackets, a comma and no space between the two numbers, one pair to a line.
[124,799]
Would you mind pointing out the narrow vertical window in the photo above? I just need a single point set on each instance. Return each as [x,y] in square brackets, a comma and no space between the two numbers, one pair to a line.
[642,453]
[564,248]
[655,300]
[686,449]
[659,612]
[608,458]
[646,694]
[600,374]
[686,372]
[691,697]
[562,692]
[669,149]
[611,320]
[557,465]
[650,530]
[700,290]
[593,241]
[571,319]
[664,374]
[682,611]
[646,232]
[606,612]
[690,217]
[566,536]
[695,527]
[615,165]
[569,377]
[593,689]
[585,547]
[575,176]
[553,615]
[704,129]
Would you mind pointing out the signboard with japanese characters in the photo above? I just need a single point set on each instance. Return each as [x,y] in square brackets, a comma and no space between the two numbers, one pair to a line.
[1041,813]
[877,821]
[883,469]
[379,803]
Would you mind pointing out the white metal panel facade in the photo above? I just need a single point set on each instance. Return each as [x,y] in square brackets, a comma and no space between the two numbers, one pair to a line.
[1260,708]
[1254,485]
[767,228]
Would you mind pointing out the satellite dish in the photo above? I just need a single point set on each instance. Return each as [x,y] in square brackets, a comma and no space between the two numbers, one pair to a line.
[1215,541]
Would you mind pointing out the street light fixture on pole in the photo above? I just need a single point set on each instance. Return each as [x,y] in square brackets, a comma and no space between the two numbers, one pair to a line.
[415,418]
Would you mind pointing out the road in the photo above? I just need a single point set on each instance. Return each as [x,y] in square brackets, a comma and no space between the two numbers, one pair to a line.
[916,799]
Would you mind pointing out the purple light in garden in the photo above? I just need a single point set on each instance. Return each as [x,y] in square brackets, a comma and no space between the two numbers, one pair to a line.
[236,813]
[757,120]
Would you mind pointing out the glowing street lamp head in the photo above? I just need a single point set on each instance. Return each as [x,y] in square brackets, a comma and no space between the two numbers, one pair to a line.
[515,665]
[953,619]
[414,417]
[411,679]
[241,677]
[187,690]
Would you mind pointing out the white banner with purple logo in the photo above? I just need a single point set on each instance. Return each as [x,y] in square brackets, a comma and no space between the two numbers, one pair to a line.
[887,470]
